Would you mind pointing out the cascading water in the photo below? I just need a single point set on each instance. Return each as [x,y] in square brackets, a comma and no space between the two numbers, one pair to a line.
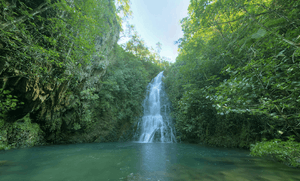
[156,124]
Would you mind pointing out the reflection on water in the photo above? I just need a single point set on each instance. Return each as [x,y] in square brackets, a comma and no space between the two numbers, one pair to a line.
[153,158]
[137,162]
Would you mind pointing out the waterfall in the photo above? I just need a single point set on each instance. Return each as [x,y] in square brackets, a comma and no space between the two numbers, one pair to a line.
[156,124]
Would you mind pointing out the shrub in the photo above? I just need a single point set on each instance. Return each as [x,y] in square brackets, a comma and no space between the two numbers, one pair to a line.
[287,152]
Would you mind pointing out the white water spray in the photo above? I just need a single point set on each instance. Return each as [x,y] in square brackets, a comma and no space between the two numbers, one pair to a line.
[156,124]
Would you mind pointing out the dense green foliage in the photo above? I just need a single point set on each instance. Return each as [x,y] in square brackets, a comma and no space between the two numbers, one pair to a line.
[282,151]
[124,89]
[58,35]
[51,52]
[21,133]
[63,78]
[8,102]
[236,79]
[137,47]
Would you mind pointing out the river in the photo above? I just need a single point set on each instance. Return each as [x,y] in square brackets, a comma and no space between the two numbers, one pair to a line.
[138,161]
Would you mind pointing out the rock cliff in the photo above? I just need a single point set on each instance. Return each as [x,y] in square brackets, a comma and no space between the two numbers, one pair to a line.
[58,96]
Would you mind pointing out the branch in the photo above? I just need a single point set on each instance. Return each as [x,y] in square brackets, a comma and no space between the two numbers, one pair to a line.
[276,34]
[243,17]
[25,17]
[69,51]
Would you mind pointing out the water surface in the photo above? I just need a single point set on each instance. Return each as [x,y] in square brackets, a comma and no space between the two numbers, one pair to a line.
[138,161]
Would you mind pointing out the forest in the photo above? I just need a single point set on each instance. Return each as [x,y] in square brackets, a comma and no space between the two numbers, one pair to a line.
[64,78]
[235,83]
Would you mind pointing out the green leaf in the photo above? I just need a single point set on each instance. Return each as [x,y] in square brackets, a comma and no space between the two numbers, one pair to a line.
[260,33]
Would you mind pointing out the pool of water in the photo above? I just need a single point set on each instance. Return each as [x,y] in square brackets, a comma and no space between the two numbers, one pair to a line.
[138,161]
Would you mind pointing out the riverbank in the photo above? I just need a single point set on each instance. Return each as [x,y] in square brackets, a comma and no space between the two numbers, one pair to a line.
[287,152]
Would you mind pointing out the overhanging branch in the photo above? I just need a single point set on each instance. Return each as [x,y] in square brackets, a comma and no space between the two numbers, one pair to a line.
[21,19]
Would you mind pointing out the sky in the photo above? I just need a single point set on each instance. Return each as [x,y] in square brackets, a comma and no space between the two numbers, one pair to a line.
[159,21]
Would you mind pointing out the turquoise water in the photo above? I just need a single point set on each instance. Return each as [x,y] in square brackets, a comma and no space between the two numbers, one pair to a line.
[138,161]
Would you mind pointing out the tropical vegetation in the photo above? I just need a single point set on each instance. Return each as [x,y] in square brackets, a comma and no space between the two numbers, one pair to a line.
[236,78]
[235,83]
[64,78]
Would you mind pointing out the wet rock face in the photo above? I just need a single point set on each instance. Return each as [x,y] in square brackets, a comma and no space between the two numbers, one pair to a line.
[47,98]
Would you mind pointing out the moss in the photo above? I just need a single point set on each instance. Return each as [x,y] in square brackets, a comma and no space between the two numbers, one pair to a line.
[22,133]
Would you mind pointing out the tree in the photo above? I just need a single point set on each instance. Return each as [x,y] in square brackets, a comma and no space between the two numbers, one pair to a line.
[237,59]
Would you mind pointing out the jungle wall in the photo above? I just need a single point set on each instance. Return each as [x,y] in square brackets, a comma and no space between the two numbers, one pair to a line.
[63,77]
[235,82]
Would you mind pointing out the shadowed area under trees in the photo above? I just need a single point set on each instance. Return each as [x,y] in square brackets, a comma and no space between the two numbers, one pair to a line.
[236,79]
